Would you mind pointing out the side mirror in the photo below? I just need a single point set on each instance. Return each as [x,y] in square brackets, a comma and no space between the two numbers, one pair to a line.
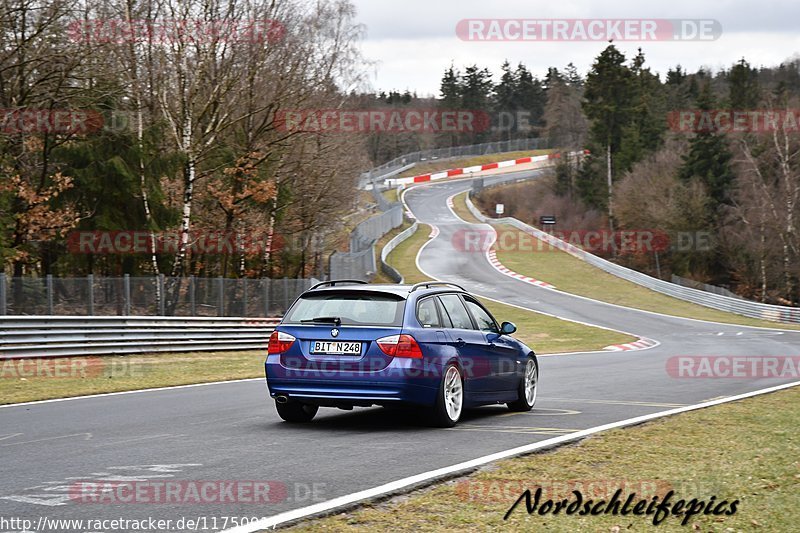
[507,328]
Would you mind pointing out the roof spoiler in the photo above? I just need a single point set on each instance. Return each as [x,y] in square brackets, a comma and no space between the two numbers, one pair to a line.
[334,282]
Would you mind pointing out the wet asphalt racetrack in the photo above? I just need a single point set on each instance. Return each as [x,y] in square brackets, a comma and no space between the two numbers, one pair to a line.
[231,431]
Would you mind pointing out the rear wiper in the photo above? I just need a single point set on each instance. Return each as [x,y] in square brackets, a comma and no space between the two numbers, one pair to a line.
[324,320]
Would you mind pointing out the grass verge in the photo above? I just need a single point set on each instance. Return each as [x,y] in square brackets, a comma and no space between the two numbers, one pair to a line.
[461,209]
[543,333]
[525,255]
[26,380]
[380,277]
[390,195]
[746,451]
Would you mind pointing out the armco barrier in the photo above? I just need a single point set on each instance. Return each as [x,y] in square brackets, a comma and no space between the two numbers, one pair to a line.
[514,145]
[59,336]
[358,265]
[539,160]
[387,269]
[372,229]
[773,313]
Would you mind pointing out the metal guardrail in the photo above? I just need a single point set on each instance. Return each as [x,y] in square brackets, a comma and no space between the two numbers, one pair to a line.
[387,269]
[773,313]
[360,262]
[513,145]
[372,229]
[357,265]
[368,180]
[60,336]
[686,282]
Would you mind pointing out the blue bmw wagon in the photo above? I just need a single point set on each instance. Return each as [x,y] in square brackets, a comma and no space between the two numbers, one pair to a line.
[432,345]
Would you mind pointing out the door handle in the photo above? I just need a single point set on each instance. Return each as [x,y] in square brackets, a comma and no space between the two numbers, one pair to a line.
[460,342]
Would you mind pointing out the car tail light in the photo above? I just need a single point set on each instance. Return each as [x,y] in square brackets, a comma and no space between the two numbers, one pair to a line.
[279,342]
[400,346]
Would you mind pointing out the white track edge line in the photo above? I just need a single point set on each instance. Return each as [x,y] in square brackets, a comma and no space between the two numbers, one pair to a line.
[393,486]
[136,391]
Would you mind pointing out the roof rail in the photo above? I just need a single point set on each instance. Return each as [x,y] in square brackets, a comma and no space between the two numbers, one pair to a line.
[333,283]
[428,284]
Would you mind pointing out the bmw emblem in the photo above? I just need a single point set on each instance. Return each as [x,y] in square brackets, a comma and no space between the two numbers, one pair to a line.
[334,332]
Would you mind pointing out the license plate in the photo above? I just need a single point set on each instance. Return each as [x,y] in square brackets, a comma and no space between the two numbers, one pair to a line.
[336,347]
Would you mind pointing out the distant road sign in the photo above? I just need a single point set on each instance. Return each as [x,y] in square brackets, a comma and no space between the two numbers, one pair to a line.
[500,209]
[547,220]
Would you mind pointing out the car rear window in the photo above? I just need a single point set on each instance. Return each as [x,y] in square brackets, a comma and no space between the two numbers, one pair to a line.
[352,308]
[427,313]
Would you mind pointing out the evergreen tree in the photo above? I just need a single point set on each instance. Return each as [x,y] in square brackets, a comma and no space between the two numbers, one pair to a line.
[553,77]
[572,76]
[680,89]
[477,88]
[743,85]
[709,158]
[505,103]
[530,96]
[476,96]
[646,129]
[451,89]
[505,91]
[675,76]
[608,91]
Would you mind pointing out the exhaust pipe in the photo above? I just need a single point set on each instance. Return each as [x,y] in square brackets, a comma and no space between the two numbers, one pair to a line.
[282,399]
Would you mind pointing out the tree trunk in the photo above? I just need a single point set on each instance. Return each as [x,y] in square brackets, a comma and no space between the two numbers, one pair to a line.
[610,190]
[266,268]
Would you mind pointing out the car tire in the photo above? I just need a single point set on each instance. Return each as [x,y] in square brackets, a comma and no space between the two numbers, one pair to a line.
[449,399]
[296,412]
[528,386]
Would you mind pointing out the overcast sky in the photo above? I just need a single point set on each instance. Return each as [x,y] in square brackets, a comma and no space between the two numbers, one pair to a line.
[413,41]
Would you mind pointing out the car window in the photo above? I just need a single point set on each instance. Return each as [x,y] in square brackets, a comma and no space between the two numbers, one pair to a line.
[482,318]
[427,313]
[446,322]
[456,311]
[353,308]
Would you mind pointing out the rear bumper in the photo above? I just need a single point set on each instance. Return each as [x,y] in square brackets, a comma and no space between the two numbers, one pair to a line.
[410,381]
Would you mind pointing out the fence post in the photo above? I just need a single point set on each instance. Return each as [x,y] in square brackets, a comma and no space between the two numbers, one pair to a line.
[220,296]
[266,297]
[49,282]
[126,289]
[192,296]
[3,304]
[244,296]
[285,294]
[161,301]
[90,282]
